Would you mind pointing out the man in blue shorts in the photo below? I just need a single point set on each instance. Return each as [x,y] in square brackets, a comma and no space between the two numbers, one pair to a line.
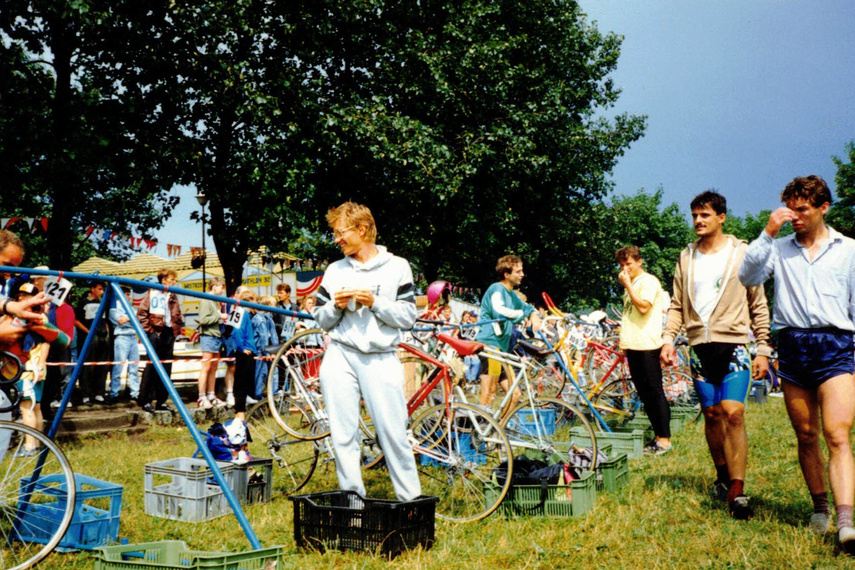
[814,272]
[716,310]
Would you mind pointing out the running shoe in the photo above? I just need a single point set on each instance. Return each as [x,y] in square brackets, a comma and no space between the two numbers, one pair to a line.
[148,408]
[846,536]
[204,403]
[230,400]
[250,401]
[719,491]
[26,452]
[740,509]
[164,407]
[99,399]
[216,402]
[656,449]
[820,523]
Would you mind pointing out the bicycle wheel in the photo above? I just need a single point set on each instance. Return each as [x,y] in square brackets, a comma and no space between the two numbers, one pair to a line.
[598,361]
[550,431]
[37,495]
[616,405]
[299,410]
[680,392]
[294,460]
[544,373]
[458,450]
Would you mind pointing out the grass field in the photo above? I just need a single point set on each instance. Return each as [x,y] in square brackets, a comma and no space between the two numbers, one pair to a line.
[664,518]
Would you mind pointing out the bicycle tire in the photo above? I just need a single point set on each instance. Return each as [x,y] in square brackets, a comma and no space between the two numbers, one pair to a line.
[299,360]
[545,374]
[598,362]
[25,538]
[615,405]
[548,431]
[469,445]
[680,391]
[294,460]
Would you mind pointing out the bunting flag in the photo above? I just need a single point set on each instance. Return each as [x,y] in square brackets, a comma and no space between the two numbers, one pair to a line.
[6,222]
[308,282]
[89,231]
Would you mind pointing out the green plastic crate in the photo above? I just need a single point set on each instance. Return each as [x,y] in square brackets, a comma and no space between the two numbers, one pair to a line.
[174,554]
[613,474]
[687,413]
[642,422]
[629,442]
[527,500]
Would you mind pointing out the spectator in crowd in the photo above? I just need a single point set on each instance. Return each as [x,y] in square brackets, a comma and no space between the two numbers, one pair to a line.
[11,255]
[641,341]
[32,349]
[814,271]
[56,380]
[264,329]
[126,348]
[230,349]
[364,302]
[285,325]
[161,319]
[472,363]
[93,378]
[244,351]
[210,323]
[307,305]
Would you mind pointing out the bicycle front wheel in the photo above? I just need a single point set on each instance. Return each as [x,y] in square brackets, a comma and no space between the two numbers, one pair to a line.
[459,450]
[550,431]
[294,460]
[37,495]
[616,405]
[298,408]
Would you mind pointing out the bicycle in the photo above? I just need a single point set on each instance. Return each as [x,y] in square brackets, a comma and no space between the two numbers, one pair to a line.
[37,489]
[461,449]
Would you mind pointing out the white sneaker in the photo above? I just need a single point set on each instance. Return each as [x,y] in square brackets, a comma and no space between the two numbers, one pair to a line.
[99,399]
[85,400]
[230,400]
[55,404]
[820,523]
[250,401]
[846,536]
[204,403]
[216,402]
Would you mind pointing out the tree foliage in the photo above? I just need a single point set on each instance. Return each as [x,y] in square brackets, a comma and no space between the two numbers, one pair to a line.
[841,216]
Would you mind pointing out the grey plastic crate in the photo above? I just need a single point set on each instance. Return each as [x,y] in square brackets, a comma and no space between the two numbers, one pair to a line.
[256,492]
[187,492]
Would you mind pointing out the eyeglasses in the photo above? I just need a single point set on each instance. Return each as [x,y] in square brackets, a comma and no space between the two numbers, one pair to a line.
[339,233]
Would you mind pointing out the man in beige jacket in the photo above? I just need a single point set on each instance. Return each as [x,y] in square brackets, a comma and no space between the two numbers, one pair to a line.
[717,311]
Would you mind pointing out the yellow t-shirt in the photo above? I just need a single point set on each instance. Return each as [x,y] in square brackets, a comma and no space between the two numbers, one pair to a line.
[642,331]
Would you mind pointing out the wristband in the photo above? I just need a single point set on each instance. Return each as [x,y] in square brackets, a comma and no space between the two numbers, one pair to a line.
[3,308]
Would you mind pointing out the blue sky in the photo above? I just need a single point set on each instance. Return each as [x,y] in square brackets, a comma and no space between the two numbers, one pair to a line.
[740,97]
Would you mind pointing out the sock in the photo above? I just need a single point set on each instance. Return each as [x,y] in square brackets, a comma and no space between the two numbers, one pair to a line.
[820,502]
[722,474]
[844,516]
[736,488]
[211,396]
[230,391]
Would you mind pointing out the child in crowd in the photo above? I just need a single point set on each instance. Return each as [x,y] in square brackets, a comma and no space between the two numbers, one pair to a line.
[265,335]
[307,305]
[32,350]
[243,351]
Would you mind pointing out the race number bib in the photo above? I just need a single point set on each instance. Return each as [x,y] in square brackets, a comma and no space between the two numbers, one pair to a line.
[235,318]
[57,289]
[158,304]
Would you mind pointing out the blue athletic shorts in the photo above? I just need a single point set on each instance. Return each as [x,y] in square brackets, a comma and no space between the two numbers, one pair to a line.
[210,343]
[726,369]
[809,357]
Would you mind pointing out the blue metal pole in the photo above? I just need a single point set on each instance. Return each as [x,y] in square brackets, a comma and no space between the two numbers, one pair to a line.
[81,359]
[188,420]
[579,390]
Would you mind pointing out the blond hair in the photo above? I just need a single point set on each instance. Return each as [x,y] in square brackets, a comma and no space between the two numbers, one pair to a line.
[356,215]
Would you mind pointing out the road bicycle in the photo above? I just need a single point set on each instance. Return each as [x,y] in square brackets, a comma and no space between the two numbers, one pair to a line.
[457,446]
[37,488]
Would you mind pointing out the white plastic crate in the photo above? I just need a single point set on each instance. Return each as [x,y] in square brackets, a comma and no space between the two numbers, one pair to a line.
[184,489]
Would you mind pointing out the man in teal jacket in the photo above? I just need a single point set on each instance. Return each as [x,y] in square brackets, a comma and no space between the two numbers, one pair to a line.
[502,304]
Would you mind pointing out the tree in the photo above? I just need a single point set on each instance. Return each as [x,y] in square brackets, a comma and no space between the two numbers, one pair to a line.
[86,139]
[842,213]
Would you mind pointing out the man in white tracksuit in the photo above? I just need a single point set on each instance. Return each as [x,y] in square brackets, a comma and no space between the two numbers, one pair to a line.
[364,302]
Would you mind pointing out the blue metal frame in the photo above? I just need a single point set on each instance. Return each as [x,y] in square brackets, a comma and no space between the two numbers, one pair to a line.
[114,291]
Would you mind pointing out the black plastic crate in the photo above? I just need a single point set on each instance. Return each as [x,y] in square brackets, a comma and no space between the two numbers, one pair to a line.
[342,520]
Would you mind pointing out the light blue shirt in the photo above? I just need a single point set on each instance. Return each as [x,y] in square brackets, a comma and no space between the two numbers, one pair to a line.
[808,294]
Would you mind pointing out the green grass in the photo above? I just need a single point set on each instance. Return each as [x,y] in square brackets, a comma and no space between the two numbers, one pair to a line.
[664,518]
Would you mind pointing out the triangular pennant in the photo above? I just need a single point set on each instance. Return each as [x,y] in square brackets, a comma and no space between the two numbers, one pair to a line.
[44,223]
[89,231]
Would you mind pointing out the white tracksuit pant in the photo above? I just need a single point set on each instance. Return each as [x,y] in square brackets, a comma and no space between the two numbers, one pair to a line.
[379,377]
